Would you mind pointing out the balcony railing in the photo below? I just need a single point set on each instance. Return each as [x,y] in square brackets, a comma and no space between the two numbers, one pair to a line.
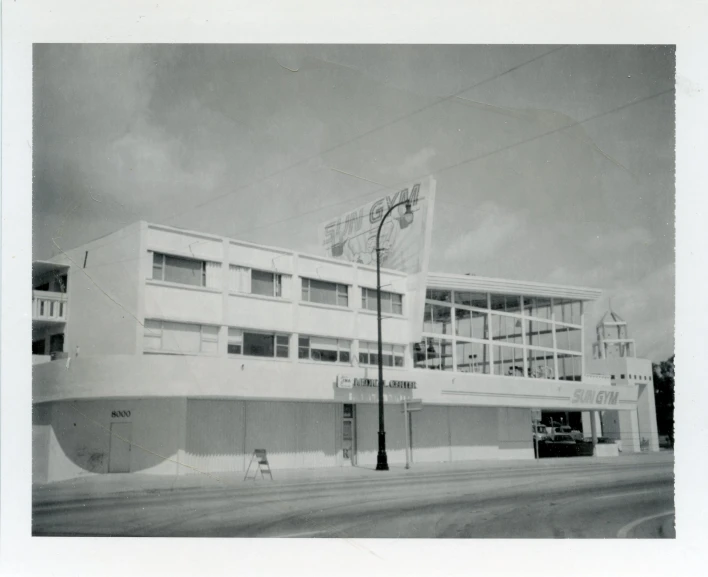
[49,306]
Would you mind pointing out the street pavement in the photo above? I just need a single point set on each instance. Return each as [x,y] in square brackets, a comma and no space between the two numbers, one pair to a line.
[631,496]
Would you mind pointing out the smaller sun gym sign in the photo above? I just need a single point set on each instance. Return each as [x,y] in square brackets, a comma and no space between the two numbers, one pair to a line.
[347,382]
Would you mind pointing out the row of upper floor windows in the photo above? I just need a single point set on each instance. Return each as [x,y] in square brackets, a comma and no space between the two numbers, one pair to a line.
[545,308]
[633,377]
[247,280]
[431,353]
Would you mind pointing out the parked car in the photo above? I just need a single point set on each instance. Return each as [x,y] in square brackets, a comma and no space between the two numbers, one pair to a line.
[557,435]
[577,435]
[540,433]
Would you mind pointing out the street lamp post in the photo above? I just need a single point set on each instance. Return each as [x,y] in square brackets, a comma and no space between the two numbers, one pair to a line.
[406,219]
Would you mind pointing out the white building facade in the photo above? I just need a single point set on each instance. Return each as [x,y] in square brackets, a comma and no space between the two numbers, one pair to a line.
[183,352]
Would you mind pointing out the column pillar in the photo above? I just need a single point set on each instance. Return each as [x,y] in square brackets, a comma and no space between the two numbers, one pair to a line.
[593,429]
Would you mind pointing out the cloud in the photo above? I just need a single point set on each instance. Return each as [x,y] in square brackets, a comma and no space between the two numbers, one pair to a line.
[490,231]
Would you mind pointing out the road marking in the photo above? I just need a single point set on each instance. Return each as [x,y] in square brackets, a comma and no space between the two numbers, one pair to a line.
[624,531]
[628,493]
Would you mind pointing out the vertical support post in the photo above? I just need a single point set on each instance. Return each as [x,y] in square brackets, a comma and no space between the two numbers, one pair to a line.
[381,457]
[593,429]
[408,436]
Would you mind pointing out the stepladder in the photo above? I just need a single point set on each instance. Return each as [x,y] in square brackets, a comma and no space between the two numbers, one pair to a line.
[259,462]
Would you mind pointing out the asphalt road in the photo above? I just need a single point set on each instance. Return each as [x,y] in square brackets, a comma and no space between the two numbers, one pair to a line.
[588,499]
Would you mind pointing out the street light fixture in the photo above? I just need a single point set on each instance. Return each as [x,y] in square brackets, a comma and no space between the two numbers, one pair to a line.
[404,221]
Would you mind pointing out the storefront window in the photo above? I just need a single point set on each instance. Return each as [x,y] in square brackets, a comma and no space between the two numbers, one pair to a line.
[507,328]
[439,295]
[569,367]
[471,324]
[566,311]
[506,303]
[471,299]
[437,319]
[508,361]
[472,357]
[539,307]
[568,338]
[433,353]
[540,364]
[539,334]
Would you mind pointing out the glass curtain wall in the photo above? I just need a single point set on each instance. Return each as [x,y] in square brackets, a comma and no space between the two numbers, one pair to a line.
[506,335]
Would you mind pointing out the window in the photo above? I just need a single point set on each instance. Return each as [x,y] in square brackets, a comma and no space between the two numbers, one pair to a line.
[258,344]
[325,350]
[472,357]
[178,269]
[540,334]
[437,319]
[567,311]
[507,303]
[508,361]
[568,338]
[507,328]
[390,302]
[569,367]
[622,377]
[612,377]
[392,354]
[258,282]
[328,293]
[471,299]
[541,364]
[471,324]
[539,307]
[433,353]
[438,295]
[176,337]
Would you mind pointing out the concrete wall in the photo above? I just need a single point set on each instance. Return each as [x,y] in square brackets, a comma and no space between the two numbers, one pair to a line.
[251,378]
[197,304]
[515,434]
[72,439]
[106,289]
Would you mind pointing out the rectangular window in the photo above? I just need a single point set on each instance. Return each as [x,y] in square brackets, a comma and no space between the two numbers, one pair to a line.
[508,361]
[178,270]
[567,311]
[569,367]
[235,346]
[265,283]
[258,282]
[541,364]
[438,295]
[433,353]
[437,319]
[258,344]
[472,357]
[539,307]
[539,334]
[471,324]
[506,303]
[506,328]
[471,299]
[327,293]
[390,302]
[392,354]
[568,338]
[183,338]
[324,350]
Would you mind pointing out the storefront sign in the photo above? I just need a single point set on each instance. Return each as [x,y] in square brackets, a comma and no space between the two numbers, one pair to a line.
[347,382]
[590,397]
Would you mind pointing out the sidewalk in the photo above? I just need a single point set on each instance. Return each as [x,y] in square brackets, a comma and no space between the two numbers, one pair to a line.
[97,486]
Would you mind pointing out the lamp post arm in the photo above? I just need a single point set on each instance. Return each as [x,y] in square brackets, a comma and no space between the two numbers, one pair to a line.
[385,216]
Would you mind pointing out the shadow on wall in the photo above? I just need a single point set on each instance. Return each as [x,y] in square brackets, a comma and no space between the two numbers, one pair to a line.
[73,438]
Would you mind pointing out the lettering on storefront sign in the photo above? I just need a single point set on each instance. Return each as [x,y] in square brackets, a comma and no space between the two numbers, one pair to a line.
[120,414]
[347,382]
[590,397]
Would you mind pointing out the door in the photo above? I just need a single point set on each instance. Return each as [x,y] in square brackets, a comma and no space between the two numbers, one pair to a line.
[119,452]
[348,435]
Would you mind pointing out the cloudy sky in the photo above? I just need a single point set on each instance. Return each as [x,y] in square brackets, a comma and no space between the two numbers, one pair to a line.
[553,163]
